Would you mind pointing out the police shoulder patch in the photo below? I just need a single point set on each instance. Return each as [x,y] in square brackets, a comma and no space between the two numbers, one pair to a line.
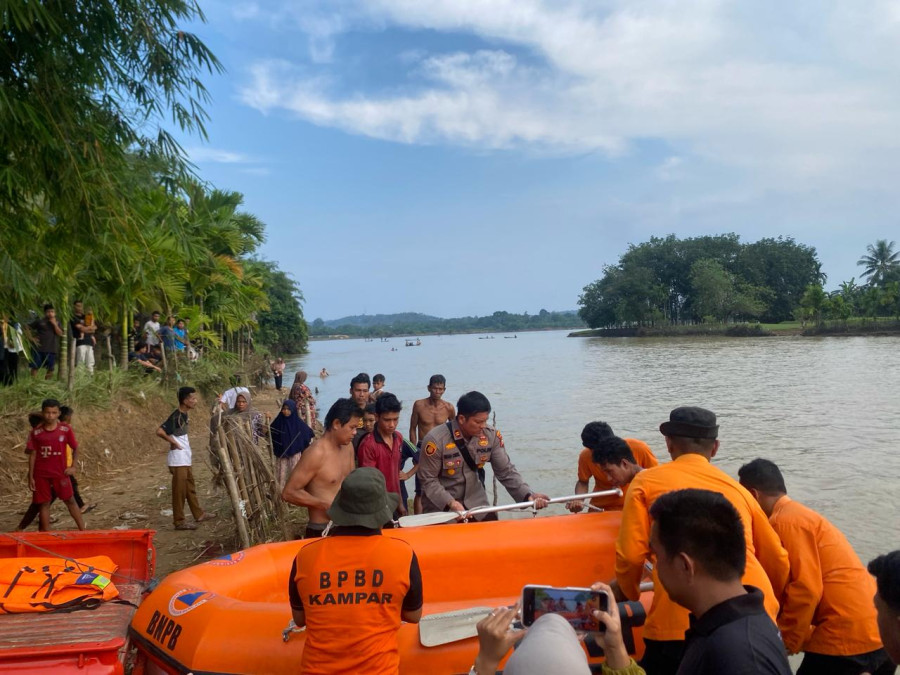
[430,448]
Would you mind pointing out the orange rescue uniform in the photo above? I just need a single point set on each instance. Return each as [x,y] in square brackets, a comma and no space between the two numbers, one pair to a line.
[358,581]
[644,457]
[767,561]
[827,605]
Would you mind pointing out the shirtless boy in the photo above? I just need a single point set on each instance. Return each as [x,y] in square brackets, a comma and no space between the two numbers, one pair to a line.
[427,413]
[316,479]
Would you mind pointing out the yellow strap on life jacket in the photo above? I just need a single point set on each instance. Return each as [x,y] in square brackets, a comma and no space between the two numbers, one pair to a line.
[54,584]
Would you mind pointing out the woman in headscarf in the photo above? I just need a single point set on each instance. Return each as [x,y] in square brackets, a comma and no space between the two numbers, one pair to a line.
[302,396]
[290,436]
[244,413]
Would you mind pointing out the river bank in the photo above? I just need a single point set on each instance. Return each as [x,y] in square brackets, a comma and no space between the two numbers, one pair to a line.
[849,328]
[123,472]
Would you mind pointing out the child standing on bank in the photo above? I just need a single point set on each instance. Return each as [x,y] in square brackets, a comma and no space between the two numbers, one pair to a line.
[175,432]
[48,473]
[65,417]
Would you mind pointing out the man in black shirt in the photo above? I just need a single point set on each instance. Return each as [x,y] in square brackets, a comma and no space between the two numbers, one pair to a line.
[48,332]
[698,539]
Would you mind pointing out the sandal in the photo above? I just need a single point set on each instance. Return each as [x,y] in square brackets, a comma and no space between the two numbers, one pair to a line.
[186,526]
[206,516]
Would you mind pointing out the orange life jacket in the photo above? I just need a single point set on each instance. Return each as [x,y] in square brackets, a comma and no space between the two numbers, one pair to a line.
[53,584]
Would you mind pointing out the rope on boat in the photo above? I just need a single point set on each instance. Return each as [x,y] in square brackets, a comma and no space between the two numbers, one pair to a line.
[78,564]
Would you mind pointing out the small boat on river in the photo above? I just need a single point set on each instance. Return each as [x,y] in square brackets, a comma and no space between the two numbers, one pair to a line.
[230,615]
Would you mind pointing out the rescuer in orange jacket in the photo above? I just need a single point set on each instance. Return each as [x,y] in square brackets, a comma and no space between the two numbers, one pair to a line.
[356,577]
[826,610]
[593,436]
[691,440]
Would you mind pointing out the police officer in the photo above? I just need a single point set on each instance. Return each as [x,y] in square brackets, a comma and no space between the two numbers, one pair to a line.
[453,458]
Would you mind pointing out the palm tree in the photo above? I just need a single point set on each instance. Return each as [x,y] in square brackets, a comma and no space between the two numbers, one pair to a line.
[882,263]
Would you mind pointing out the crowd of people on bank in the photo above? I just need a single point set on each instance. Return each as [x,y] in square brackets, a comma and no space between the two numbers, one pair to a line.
[37,342]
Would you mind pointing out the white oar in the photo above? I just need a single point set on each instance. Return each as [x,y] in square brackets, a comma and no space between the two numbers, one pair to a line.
[459,624]
[449,516]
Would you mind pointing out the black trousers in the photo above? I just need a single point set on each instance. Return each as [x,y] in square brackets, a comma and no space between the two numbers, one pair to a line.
[662,657]
[9,367]
[876,663]
[278,378]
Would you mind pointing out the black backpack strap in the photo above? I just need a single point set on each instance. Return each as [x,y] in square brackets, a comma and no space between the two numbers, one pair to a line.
[464,451]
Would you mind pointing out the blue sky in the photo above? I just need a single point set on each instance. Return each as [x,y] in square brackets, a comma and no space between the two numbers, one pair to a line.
[466,156]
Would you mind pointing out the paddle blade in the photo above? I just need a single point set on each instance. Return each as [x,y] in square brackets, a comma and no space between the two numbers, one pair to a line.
[428,519]
[446,627]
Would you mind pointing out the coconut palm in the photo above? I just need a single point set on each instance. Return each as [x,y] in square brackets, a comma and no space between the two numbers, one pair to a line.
[881,263]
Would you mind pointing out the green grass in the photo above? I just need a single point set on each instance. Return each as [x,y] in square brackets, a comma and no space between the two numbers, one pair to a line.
[783,327]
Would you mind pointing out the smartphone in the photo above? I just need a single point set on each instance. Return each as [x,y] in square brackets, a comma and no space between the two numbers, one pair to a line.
[575,605]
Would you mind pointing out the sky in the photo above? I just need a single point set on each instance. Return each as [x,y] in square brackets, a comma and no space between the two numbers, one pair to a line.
[460,157]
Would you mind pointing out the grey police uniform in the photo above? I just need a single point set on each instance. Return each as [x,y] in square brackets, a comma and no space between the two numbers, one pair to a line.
[446,476]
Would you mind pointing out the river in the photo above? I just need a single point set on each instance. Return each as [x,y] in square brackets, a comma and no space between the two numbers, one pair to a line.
[824,409]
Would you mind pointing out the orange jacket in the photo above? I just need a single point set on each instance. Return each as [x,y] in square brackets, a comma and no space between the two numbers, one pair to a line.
[48,584]
[357,582]
[827,605]
[644,457]
[767,561]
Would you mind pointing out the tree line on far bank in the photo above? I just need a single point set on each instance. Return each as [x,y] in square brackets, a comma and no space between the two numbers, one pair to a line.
[878,296]
[97,200]
[419,324]
[719,279]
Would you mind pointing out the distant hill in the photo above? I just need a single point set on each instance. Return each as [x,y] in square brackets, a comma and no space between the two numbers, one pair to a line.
[365,320]
[413,323]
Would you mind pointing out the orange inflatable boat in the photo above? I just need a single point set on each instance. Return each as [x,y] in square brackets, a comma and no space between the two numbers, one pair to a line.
[229,615]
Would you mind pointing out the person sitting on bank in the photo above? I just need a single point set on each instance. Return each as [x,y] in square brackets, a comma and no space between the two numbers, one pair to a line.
[826,610]
[451,464]
[356,577]
[886,570]
[594,437]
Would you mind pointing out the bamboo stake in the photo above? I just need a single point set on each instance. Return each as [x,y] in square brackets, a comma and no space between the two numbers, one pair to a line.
[236,462]
[231,484]
[277,501]
[259,503]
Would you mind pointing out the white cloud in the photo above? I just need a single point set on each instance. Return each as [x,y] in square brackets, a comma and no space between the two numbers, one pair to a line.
[243,163]
[243,11]
[217,155]
[795,94]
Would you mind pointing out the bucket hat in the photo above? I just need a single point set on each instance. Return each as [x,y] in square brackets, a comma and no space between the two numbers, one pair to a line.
[690,422]
[363,500]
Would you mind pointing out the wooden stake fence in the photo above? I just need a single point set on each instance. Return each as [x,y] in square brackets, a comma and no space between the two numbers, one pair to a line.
[248,471]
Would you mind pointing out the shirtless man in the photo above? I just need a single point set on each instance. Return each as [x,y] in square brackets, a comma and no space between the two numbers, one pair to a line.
[323,466]
[427,413]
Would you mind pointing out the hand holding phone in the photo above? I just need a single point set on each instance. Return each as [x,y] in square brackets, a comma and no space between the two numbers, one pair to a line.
[609,635]
[575,605]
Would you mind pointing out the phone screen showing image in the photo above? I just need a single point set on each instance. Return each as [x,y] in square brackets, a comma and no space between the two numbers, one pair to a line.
[575,605]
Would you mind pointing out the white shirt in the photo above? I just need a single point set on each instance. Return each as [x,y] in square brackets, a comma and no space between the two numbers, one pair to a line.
[150,330]
[230,396]
[182,456]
